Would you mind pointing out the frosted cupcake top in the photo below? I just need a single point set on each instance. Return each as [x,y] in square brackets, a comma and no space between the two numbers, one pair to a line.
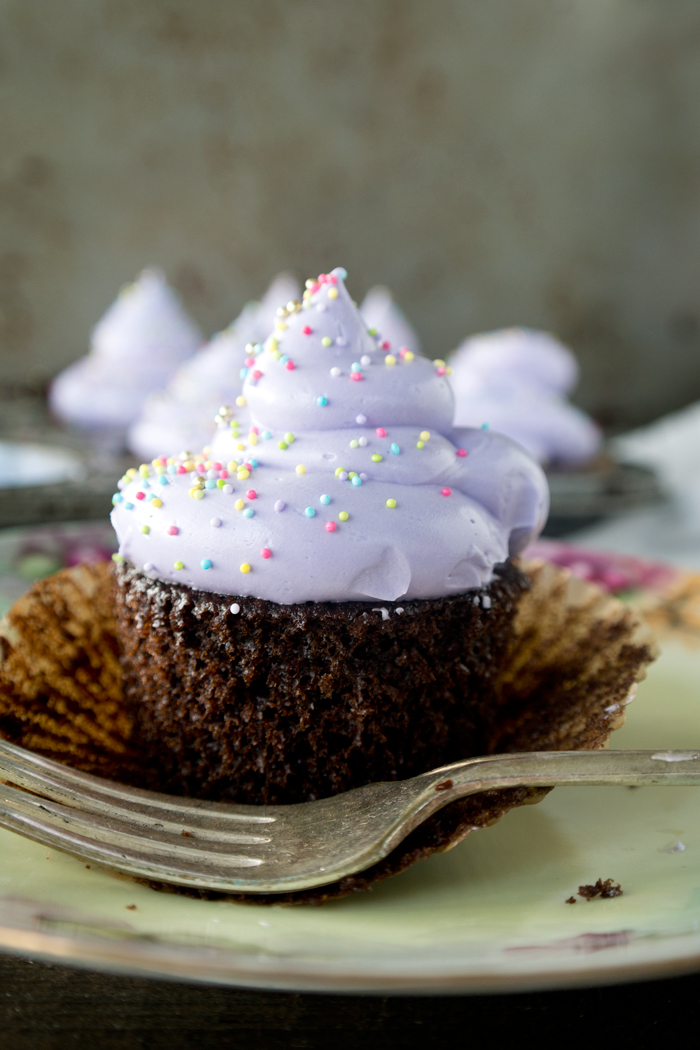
[135,347]
[345,485]
[515,381]
[382,316]
[181,416]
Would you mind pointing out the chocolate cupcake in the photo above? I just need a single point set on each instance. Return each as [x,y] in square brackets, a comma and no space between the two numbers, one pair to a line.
[327,599]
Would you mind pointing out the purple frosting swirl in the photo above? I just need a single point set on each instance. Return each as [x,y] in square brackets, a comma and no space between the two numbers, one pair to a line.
[346,487]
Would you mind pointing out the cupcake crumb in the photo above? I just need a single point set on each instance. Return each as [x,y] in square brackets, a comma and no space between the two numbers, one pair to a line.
[570,900]
[600,888]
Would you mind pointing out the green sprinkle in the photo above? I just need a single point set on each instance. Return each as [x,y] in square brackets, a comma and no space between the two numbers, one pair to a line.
[118,558]
[179,565]
[376,458]
[145,529]
[343,515]
[391,503]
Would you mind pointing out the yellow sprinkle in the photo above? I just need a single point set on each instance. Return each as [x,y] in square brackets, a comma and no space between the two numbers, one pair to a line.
[343,515]
[170,460]
[391,503]
[275,354]
[332,293]
[145,529]
[289,438]
[245,567]
[239,504]
[281,444]
[409,355]
[206,450]
[280,326]
[179,565]
[233,465]
[420,444]
[339,470]
[156,502]
[189,464]
[326,341]
[143,470]
[131,472]
[240,446]
[155,462]
[253,439]
[424,435]
[301,469]
[240,401]
[389,359]
[160,469]
[448,370]
[242,475]
[199,493]
[192,492]
[439,363]
[208,464]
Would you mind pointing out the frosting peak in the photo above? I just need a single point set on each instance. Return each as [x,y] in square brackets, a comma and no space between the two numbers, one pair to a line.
[343,487]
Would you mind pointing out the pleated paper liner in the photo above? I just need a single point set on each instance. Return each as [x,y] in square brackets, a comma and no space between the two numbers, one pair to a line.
[573,666]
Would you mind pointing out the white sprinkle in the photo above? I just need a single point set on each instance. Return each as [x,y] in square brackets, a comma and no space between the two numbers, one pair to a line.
[148,566]
[335,372]
[212,473]
[363,476]
[362,442]
[194,475]
[280,505]
[216,522]
[678,848]
[365,359]
[320,307]
[235,608]
[383,611]
[121,483]
[400,609]
[228,489]
[361,420]
[341,340]
[343,476]
[486,602]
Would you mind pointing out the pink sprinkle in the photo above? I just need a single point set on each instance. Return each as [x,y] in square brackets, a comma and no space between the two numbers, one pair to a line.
[386,345]
[173,530]
[315,287]
[357,376]
[331,526]
[306,330]
[249,361]
[181,470]
[257,374]
[251,494]
[266,552]
[252,430]
[289,366]
[201,468]
[163,461]
[248,466]
[446,492]
[381,432]
[332,278]
[323,278]
[403,351]
[140,495]
[461,452]
[223,473]
[216,466]
[442,370]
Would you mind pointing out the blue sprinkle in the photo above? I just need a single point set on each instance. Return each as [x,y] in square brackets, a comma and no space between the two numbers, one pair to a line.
[162,480]
[395,448]
[284,358]
[117,497]
[357,480]
[342,273]
[206,564]
[485,426]
[145,483]
[325,499]
[266,435]
[322,401]
[243,372]
[258,349]
[356,366]
[210,483]
[253,462]
[248,512]
[310,512]
[172,469]
[129,506]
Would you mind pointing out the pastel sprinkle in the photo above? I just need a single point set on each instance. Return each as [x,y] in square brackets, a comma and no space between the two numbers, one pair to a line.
[162,480]
[173,530]
[391,503]
[331,526]
[424,435]
[420,444]
[381,432]
[129,506]
[279,506]
[248,512]
[301,469]
[326,341]
[243,475]
[118,557]
[266,553]
[332,293]
[140,495]
[198,494]
[290,366]
[324,499]
[342,273]
[376,458]
[461,452]
[240,401]
[361,420]
[148,566]
[395,448]
[228,489]
[342,475]
[365,360]
[155,502]
[235,608]
[251,494]
[215,523]
[179,565]
[310,512]
[485,426]
[389,359]
[408,355]
[117,497]
[266,435]
[239,504]
[446,491]
[205,563]
[322,401]
[335,372]
[356,480]
[221,483]
[245,567]
[210,483]
[343,515]
[306,330]
[357,376]
[281,444]
[145,529]
[362,442]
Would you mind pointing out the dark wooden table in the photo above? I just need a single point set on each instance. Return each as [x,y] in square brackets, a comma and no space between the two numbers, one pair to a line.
[47,1007]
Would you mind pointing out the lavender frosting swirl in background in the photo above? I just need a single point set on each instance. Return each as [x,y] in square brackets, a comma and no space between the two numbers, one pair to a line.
[346,487]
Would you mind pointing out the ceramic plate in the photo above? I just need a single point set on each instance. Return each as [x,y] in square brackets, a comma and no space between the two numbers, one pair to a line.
[491,915]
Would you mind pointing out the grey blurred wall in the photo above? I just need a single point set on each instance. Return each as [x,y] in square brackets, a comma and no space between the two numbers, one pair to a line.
[492,161]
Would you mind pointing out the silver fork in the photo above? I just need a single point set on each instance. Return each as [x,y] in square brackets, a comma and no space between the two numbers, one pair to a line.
[277,849]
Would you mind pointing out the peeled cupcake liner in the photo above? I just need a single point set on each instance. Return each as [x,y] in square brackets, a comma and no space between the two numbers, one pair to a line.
[573,667]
